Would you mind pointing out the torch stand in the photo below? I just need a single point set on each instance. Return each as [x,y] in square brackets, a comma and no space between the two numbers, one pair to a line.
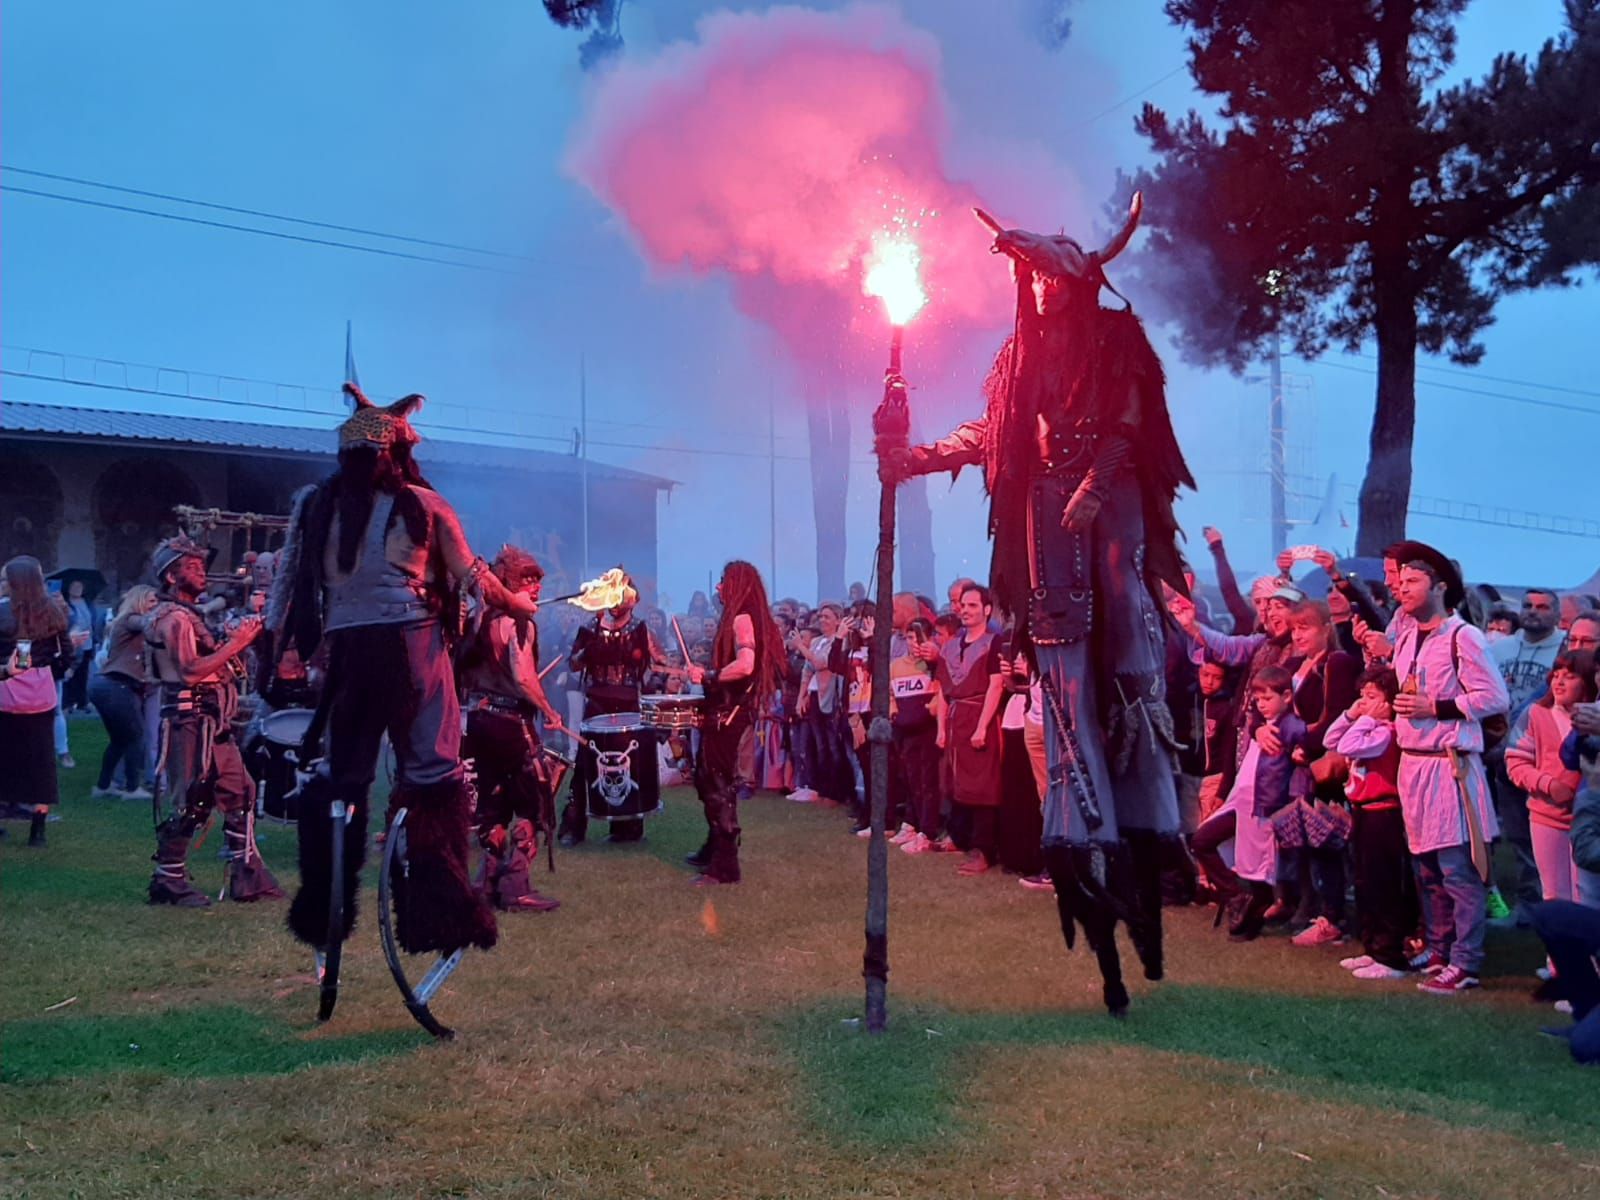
[891,430]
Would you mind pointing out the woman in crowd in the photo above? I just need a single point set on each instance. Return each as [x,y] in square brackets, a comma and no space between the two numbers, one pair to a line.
[35,652]
[972,684]
[117,694]
[84,627]
[1324,687]
[1534,764]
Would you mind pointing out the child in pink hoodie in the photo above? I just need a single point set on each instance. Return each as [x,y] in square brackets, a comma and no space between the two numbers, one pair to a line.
[1534,764]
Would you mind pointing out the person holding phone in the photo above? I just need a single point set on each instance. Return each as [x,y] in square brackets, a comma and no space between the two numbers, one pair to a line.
[35,652]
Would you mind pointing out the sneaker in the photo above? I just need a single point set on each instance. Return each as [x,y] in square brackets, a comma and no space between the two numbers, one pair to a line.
[863,833]
[1449,982]
[916,844]
[1037,883]
[138,793]
[100,793]
[802,795]
[1377,970]
[1427,961]
[1544,974]
[902,835]
[974,864]
[945,845]
[67,761]
[1356,963]
[1495,906]
[1321,932]
[1277,913]
[1564,1007]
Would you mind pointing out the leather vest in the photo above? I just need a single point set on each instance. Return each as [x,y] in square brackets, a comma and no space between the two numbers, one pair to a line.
[377,591]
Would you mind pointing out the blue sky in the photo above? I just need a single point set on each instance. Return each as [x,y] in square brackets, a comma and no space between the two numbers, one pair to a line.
[449,122]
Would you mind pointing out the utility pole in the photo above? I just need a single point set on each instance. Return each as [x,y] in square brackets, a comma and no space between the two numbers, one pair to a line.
[583,461]
[1277,469]
[772,488]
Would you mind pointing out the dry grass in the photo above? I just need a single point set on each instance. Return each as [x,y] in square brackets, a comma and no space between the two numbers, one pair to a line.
[617,1048]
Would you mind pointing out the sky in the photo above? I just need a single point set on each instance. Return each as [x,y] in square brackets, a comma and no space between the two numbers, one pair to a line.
[455,123]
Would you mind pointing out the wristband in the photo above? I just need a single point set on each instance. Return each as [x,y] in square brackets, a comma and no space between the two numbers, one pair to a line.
[710,675]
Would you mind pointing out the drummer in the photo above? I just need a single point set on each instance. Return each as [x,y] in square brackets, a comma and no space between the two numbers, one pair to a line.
[612,654]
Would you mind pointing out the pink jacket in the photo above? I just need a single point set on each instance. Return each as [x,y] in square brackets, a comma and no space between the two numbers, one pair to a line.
[1534,763]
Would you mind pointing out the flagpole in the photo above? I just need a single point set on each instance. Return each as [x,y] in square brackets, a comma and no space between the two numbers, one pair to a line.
[583,462]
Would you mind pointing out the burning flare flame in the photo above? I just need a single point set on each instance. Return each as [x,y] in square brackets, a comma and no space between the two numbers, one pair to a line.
[892,276]
[596,595]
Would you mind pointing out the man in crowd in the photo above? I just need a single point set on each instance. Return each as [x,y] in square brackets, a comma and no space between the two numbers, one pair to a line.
[500,679]
[1449,684]
[612,655]
[198,677]
[1524,660]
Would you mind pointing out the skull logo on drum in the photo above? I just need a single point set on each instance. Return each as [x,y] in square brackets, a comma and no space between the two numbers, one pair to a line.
[614,774]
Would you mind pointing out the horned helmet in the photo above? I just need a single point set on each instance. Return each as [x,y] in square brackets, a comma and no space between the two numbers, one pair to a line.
[385,426]
[1059,266]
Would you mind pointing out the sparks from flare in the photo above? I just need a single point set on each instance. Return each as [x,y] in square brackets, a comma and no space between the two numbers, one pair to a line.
[893,274]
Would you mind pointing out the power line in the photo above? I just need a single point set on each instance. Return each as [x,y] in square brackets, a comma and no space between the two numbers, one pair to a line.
[560,439]
[272,233]
[1545,387]
[256,212]
[1453,387]
[1132,96]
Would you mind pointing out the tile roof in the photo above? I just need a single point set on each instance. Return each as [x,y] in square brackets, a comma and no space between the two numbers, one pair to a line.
[48,422]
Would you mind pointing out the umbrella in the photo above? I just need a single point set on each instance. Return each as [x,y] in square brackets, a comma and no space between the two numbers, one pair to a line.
[93,581]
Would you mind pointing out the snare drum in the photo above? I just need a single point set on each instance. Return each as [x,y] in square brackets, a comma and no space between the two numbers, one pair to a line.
[624,776]
[274,756]
[667,712]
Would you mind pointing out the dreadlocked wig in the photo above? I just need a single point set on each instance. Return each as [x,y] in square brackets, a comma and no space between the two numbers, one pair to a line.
[743,592]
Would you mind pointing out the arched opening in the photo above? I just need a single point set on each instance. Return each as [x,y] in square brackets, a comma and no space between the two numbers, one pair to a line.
[133,502]
[30,509]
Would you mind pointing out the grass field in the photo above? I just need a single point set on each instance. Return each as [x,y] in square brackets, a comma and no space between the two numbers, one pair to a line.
[642,1043]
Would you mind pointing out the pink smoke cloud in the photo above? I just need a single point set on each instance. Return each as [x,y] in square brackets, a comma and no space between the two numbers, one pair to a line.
[773,150]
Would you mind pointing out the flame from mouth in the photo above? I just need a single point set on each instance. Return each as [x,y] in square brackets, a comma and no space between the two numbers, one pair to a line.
[597,595]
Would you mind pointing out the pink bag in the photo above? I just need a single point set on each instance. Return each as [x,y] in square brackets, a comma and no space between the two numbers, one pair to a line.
[31,691]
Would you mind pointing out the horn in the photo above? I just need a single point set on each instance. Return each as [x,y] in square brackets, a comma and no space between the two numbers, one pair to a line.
[407,405]
[987,221]
[1119,243]
[356,394]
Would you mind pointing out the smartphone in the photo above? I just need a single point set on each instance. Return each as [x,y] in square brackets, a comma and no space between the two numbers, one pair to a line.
[24,654]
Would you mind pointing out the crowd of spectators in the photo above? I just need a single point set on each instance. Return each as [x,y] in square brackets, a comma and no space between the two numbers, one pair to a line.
[1356,753]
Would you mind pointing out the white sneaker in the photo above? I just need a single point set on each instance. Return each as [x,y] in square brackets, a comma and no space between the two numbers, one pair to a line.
[1376,970]
[138,793]
[1564,1006]
[100,793]
[1356,963]
[903,835]
[802,795]
[917,844]
[864,834]
[1545,973]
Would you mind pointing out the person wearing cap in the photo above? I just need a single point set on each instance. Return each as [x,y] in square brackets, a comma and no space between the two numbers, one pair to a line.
[612,654]
[198,677]
[375,561]
[1449,684]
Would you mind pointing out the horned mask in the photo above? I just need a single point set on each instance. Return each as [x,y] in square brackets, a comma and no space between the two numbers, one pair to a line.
[1058,263]
[384,426]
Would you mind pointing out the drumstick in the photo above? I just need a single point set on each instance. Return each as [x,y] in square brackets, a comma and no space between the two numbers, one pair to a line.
[682,645]
[551,665]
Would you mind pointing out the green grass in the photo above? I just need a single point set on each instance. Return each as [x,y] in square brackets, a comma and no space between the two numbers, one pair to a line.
[652,1040]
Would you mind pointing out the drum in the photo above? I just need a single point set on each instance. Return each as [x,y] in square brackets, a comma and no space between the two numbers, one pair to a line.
[662,711]
[624,774]
[273,755]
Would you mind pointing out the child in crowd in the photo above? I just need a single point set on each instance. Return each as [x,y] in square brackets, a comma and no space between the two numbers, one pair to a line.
[1386,903]
[1217,694]
[914,705]
[1260,789]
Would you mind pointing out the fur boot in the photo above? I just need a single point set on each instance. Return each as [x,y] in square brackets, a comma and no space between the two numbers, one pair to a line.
[436,906]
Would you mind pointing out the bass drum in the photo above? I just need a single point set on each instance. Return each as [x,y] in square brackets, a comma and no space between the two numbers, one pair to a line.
[624,772]
[274,756]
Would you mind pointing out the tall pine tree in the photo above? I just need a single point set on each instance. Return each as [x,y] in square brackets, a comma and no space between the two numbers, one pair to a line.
[1343,194]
